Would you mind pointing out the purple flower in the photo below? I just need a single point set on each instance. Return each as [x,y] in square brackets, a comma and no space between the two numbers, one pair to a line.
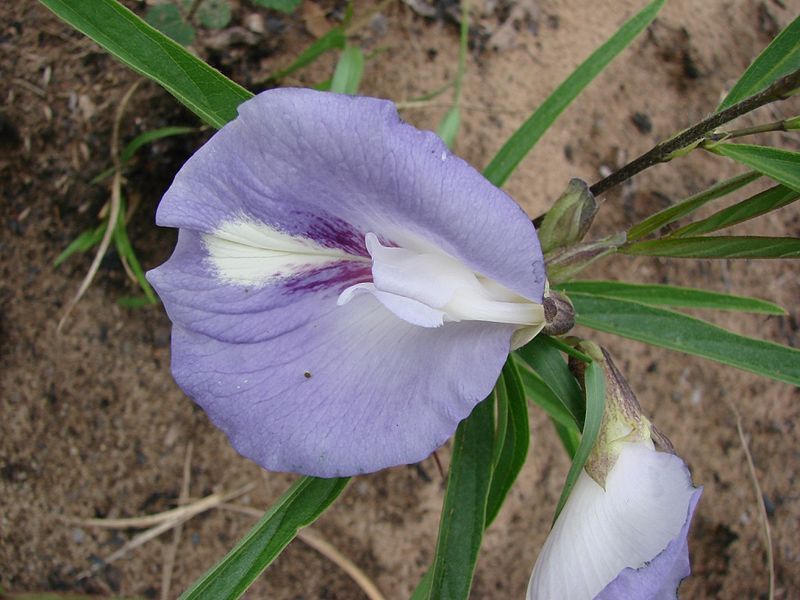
[625,542]
[622,534]
[344,289]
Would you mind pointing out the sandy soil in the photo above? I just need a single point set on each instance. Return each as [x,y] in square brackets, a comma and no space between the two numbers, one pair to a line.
[93,425]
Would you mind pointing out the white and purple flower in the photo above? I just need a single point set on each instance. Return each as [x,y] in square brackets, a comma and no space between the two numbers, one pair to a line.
[344,289]
[622,534]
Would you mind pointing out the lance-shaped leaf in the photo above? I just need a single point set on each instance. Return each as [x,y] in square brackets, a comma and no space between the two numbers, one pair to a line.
[782,165]
[334,38]
[306,500]
[676,331]
[544,358]
[594,386]
[780,58]
[718,247]
[525,138]
[464,510]
[760,204]
[204,90]
[689,205]
[670,295]
[349,69]
[515,438]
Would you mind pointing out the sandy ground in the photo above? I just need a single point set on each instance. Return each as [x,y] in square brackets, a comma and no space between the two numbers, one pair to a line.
[93,426]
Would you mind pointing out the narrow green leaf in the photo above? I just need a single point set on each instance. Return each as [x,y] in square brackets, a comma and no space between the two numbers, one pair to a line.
[135,302]
[525,138]
[349,69]
[302,503]
[718,247]
[542,394]
[82,243]
[516,440]
[423,589]
[333,39]
[676,331]
[670,295]
[595,383]
[448,128]
[570,437]
[167,18]
[782,165]
[140,140]
[126,252]
[284,6]
[755,206]
[780,58]
[464,510]
[691,204]
[546,360]
[204,90]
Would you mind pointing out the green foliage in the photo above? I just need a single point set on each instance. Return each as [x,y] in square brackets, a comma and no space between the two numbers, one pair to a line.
[524,138]
[691,204]
[781,165]
[544,358]
[464,511]
[511,441]
[212,14]
[284,6]
[349,69]
[669,295]
[448,128]
[85,241]
[780,58]
[204,90]
[333,39]
[595,391]
[718,247]
[302,503]
[676,331]
[755,206]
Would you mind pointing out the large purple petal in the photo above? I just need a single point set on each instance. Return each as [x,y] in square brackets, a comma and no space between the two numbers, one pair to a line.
[353,391]
[660,578]
[333,168]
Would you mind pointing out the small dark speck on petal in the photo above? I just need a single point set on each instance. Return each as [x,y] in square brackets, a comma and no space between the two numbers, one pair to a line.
[307,374]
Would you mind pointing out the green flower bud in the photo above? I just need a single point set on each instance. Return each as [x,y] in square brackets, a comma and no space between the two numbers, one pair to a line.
[569,219]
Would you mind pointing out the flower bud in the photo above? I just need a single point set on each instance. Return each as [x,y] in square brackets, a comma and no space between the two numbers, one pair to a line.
[569,218]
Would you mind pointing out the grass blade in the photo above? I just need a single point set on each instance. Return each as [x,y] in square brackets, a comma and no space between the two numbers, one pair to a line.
[464,510]
[516,440]
[676,331]
[204,90]
[718,247]
[595,387]
[689,205]
[349,69]
[525,138]
[541,394]
[780,58]
[302,503]
[85,241]
[546,361]
[782,165]
[333,39]
[755,206]
[669,295]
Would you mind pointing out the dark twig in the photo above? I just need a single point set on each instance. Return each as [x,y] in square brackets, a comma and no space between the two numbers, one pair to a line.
[666,150]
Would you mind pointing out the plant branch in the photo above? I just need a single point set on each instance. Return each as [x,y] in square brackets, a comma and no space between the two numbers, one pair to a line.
[686,139]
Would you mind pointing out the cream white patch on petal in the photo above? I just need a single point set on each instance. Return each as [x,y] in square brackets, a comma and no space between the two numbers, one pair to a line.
[243,251]
[601,532]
